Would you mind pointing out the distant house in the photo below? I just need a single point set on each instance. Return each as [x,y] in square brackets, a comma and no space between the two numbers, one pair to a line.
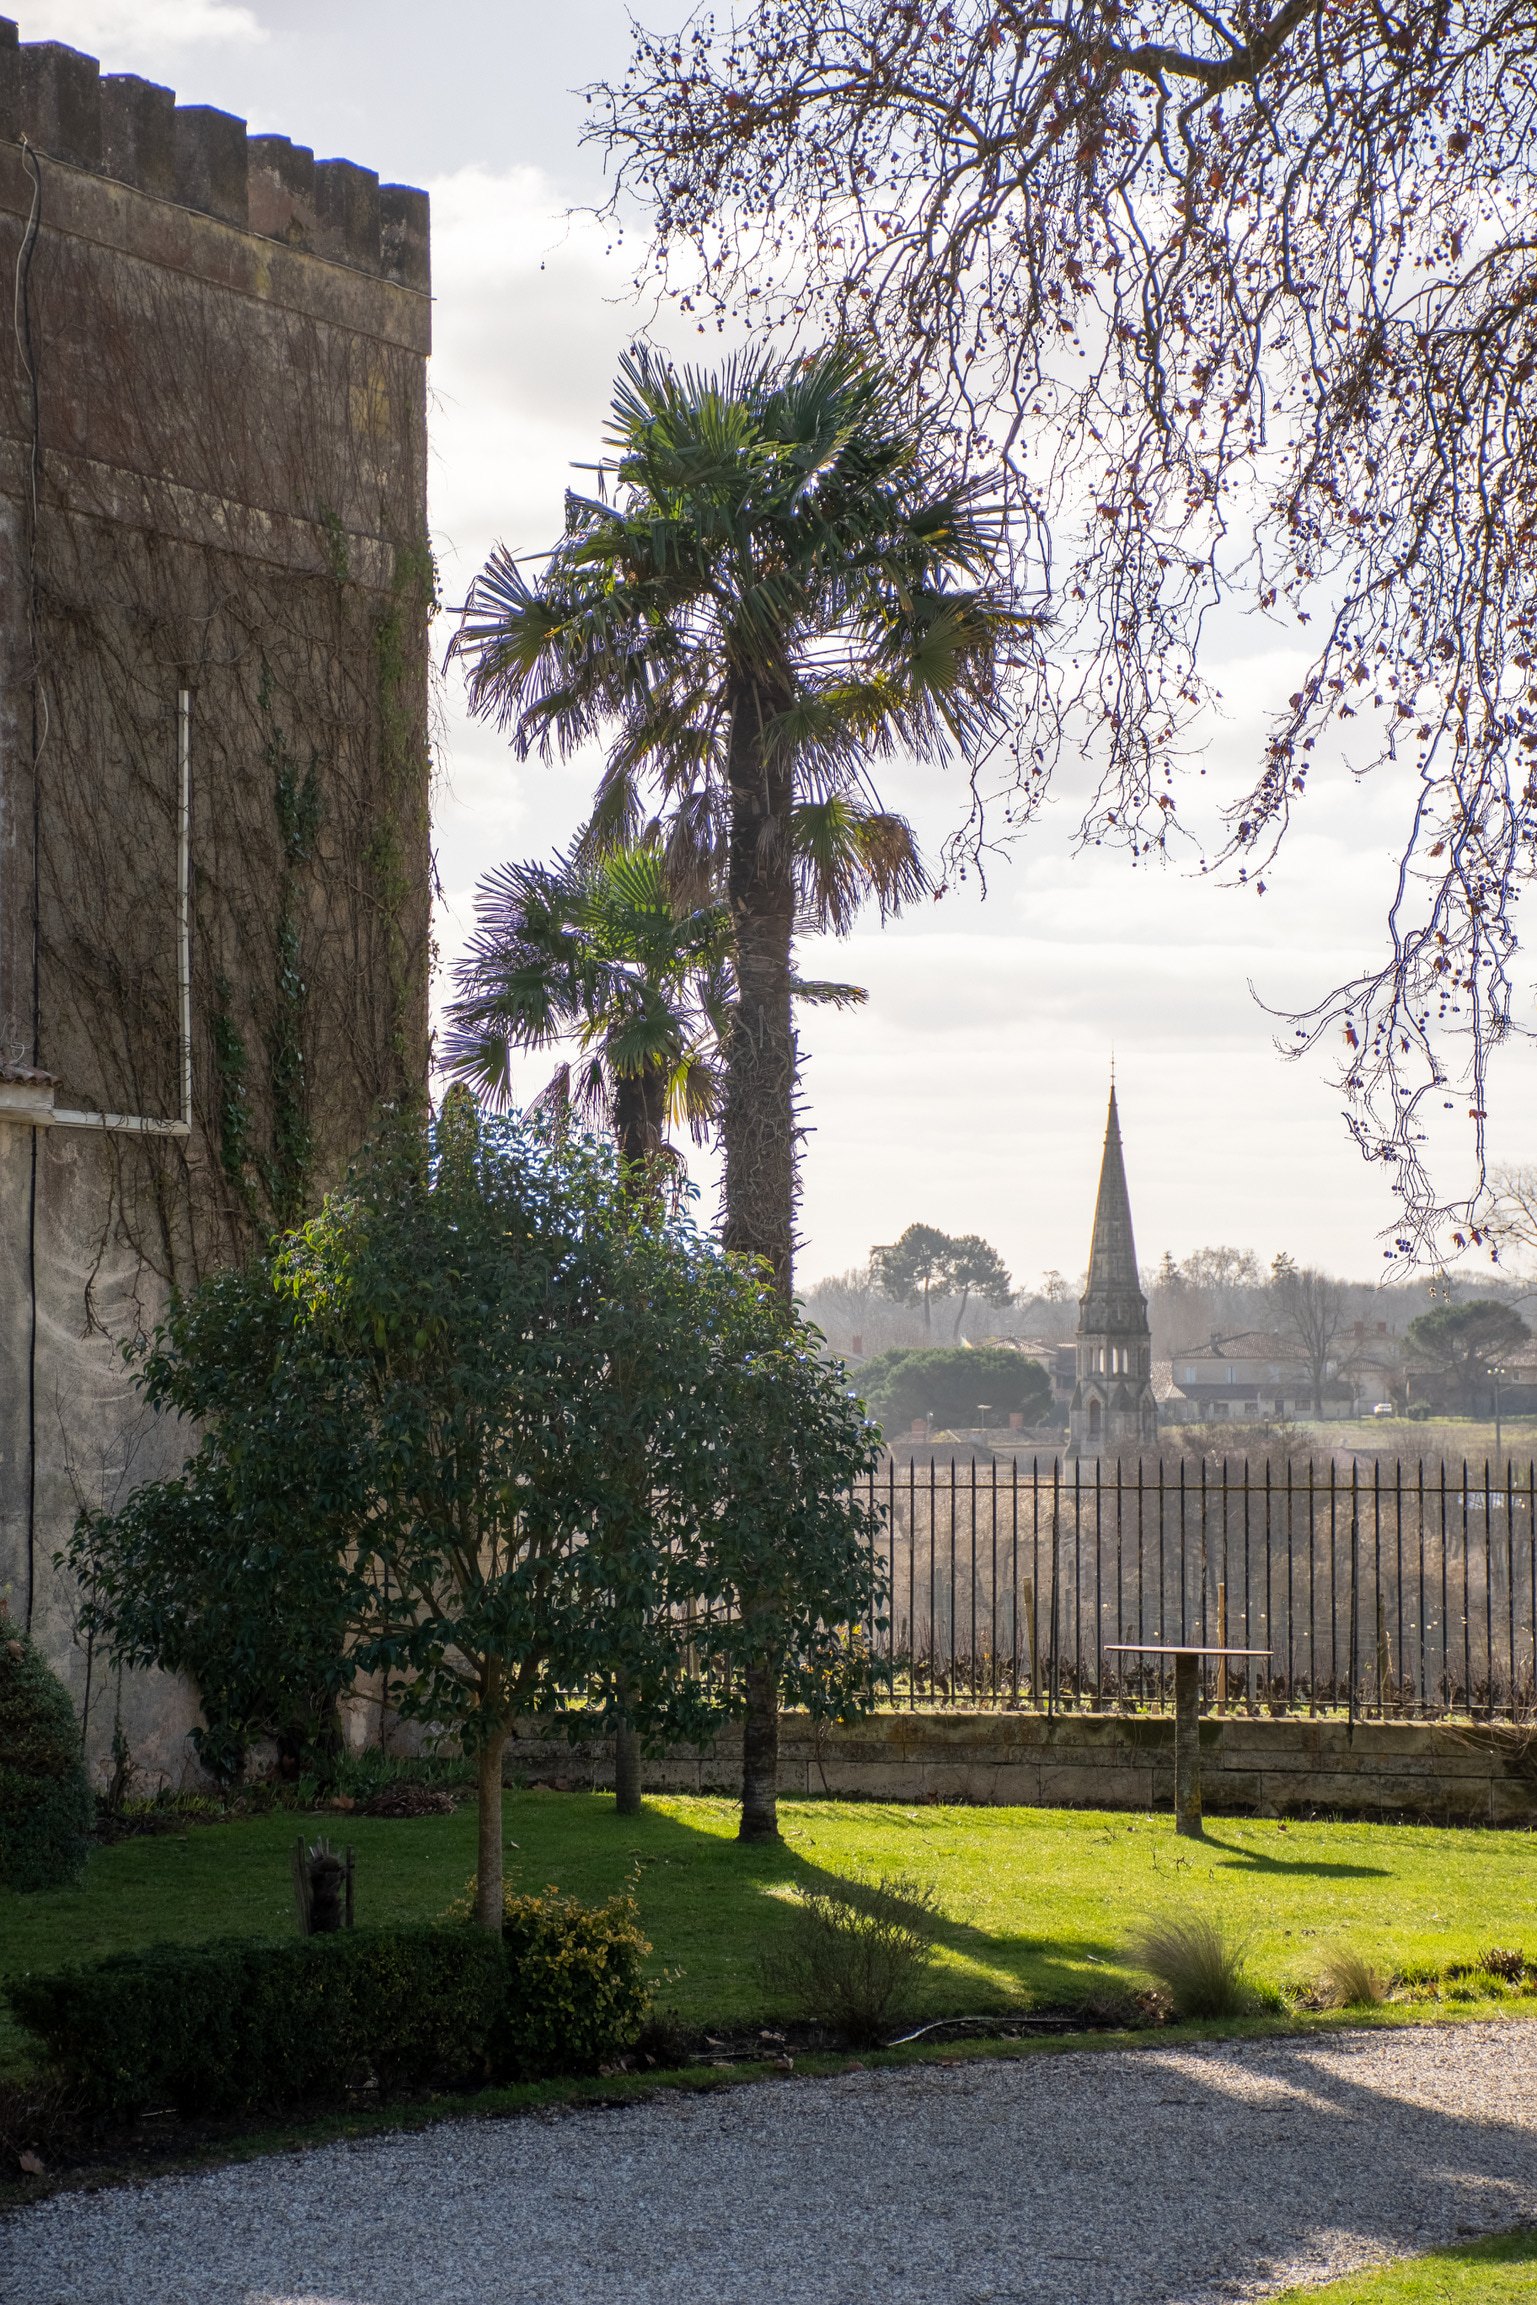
[1371,1357]
[1059,1360]
[1254,1374]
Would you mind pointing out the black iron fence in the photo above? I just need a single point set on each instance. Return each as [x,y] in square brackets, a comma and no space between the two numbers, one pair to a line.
[1389,1591]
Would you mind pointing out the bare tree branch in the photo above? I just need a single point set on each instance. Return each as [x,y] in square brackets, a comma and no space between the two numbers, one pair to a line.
[1243,299]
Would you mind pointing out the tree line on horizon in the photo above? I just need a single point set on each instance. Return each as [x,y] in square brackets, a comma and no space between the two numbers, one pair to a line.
[1447,1332]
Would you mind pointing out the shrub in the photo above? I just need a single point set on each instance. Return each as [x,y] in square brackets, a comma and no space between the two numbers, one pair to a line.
[1348,1980]
[46,1809]
[1507,1961]
[576,1996]
[950,1385]
[1191,1958]
[854,1956]
[241,2026]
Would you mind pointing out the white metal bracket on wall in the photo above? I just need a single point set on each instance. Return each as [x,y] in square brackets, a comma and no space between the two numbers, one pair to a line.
[29,1101]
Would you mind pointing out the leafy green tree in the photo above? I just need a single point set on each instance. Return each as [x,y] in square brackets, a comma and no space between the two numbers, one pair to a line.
[457,1285]
[1463,1344]
[792,1571]
[232,1572]
[781,580]
[492,1412]
[951,1384]
[909,1270]
[599,948]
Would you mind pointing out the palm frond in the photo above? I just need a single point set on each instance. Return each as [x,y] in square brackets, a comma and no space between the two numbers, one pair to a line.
[845,852]
[823,995]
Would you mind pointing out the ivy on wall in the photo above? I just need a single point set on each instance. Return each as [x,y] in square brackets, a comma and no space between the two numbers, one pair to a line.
[273,1179]
[296,801]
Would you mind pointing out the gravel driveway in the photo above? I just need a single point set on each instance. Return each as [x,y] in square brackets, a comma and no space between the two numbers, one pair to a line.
[1149,2177]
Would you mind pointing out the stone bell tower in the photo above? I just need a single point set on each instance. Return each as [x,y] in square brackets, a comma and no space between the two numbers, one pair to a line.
[1113,1411]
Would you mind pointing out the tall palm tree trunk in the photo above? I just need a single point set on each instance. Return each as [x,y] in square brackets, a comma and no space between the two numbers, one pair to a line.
[758,1118]
[640,1113]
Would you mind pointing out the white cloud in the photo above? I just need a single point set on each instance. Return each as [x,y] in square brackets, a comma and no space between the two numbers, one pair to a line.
[130,33]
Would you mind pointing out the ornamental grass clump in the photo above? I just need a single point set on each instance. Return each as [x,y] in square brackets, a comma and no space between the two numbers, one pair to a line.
[1198,1968]
[855,1955]
[1347,1980]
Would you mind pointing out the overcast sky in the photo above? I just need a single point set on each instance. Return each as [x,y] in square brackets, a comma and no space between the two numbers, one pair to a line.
[970,1093]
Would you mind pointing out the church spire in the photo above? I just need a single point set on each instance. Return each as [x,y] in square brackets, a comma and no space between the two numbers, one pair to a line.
[1113,1256]
[1113,1408]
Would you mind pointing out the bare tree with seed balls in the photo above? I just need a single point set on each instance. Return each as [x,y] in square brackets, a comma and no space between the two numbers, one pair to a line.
[1244,294]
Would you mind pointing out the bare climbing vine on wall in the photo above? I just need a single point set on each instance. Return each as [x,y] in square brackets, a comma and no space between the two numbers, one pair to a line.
[283,581]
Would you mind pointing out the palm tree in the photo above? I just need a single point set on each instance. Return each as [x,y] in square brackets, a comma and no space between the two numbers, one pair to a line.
[596,949]
[777,583]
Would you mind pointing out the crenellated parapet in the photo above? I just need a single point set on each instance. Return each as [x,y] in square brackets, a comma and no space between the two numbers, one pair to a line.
[133,131]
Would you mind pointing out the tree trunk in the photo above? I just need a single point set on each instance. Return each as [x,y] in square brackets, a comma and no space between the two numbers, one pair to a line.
[760,1755]
[639,1118]
[758,1113]
[627,1784]
[488,1856]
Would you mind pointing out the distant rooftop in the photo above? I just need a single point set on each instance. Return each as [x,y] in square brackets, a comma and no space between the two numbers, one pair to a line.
[134,131]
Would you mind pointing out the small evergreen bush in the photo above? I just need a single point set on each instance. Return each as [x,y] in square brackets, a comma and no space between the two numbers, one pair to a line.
[576,1995]
[46,1809]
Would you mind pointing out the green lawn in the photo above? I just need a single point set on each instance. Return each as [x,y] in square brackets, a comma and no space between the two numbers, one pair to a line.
[1039,1901]
[1502,2272]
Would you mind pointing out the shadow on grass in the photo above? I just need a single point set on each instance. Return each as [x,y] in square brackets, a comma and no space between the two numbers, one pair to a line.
[1009,1971]
[1241,1860]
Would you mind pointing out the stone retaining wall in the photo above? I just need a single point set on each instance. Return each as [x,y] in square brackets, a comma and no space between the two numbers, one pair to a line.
[1266,1767]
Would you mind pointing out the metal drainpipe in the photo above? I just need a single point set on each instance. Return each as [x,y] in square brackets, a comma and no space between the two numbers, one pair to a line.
[138,1124]
[113,1123]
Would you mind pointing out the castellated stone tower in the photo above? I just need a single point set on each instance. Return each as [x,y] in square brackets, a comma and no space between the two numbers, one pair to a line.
[215,875]
[1113,1412]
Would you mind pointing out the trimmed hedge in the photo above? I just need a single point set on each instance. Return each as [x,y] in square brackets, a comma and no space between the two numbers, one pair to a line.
[46,1809]
[240,2026]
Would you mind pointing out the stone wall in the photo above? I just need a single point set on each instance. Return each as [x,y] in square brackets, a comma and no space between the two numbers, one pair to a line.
[1267,1767]
[213,550]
